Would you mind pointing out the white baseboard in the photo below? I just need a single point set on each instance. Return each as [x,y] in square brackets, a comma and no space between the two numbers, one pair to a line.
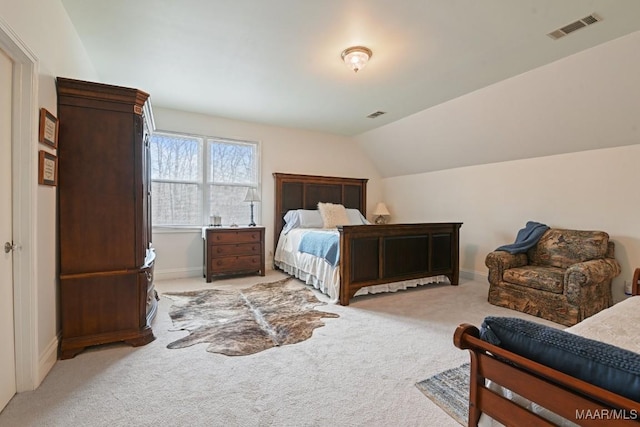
[48,358]
[177,273]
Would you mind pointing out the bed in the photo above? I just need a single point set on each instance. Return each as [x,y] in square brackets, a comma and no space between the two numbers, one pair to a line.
[512,385]
[372,258]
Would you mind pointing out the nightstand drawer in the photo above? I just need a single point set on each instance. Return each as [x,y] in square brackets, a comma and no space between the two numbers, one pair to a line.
[239,236]
[218,250]
[236,264]
[229,251]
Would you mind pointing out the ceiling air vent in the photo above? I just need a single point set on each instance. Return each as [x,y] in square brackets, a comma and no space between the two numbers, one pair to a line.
[376,114]
[570,28]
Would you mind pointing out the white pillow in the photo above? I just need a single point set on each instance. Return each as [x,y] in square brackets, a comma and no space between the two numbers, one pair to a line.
[333,214]
[307,218]
[310,218]
[302,218]
[356,217]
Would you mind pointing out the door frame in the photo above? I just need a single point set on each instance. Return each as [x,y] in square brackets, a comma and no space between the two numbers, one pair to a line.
[24,188]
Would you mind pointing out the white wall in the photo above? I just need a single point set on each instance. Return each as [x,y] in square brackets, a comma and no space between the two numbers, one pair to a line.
[44,29]
[282,150]
[590,190]
[590,97]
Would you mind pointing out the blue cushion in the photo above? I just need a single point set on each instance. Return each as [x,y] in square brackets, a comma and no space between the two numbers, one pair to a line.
[607,366]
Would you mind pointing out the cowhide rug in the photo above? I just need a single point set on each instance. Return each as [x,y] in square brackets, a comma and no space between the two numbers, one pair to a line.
[246,321]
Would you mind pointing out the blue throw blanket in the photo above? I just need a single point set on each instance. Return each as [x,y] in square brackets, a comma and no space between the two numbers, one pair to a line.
[323,245]
[526,238]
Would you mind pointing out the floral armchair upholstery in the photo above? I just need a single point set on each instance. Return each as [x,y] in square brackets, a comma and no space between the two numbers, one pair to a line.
[565,277]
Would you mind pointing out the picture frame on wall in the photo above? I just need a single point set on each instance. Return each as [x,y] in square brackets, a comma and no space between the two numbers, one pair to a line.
[47,169]
[48,128]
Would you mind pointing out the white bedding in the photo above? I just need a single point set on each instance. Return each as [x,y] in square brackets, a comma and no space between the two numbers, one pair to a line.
[615,326]
[321,275]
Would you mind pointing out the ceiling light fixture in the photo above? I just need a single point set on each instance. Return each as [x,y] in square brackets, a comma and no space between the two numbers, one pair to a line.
[356,57]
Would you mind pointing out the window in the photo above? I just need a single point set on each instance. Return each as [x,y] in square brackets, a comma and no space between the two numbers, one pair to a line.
[195,177]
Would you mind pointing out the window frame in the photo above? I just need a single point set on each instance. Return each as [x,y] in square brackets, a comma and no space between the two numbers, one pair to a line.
[204,183]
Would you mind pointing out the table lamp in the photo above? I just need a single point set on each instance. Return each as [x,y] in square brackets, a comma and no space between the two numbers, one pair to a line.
[252,196]
[382,212]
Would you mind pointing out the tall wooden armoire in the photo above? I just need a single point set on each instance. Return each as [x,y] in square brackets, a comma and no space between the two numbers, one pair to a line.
[104,221]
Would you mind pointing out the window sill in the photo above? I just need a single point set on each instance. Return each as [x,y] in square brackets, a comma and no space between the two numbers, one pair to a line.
[177,229]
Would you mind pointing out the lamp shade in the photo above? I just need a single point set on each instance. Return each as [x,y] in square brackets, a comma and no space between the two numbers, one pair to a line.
[252,195]
[381,209]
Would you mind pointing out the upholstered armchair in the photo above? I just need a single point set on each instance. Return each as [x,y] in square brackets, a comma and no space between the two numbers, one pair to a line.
[565,277]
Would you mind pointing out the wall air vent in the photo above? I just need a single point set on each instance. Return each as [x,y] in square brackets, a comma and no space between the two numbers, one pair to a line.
[376,114]
[570,28]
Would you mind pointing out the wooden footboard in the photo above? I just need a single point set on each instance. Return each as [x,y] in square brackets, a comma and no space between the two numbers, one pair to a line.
[566,396]
[378,254]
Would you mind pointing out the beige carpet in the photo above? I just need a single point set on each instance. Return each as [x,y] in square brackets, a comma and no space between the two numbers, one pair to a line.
[357,370]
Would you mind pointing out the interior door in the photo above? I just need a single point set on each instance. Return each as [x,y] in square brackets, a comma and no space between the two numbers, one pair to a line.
[7,349]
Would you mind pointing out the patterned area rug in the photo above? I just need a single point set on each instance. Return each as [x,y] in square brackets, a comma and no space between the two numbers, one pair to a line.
[246,321]
[450,391]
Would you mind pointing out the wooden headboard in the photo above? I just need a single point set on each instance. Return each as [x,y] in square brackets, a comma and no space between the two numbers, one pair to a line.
[305,191]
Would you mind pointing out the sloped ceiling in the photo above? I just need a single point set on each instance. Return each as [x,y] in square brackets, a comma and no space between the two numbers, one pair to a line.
[586,101]
[278,62]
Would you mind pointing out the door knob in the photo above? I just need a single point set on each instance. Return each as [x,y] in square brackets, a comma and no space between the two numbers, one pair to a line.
[8,247]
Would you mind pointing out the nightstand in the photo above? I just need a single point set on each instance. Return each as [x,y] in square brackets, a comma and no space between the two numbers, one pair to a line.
[233,250]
